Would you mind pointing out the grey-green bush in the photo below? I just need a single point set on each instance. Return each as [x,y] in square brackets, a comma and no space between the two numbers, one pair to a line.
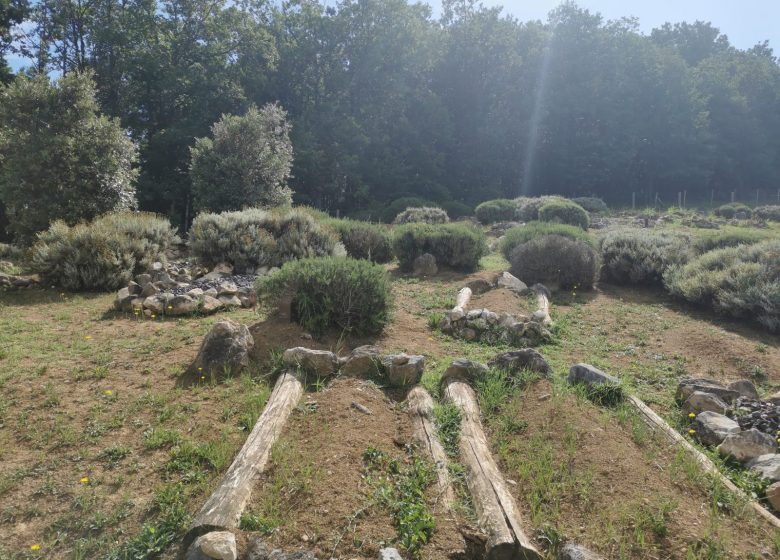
[520,234]
[10,252]
[564,212]
[332,292]
[742,281]
[720,240]
[253,238]
[731,209]
[528,207]
[103,255]
[498,210]
[458,245]
[640,256]
[555,261]
[592,204]
[425,214]
[395,207]
[364,240]
[770,212]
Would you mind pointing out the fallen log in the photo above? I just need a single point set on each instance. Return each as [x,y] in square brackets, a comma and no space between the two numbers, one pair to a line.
[655,421]
[421,410]
[494,504]
[462,300]
[222,511]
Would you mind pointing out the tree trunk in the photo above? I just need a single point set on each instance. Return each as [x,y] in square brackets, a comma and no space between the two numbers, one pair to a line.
[495,506]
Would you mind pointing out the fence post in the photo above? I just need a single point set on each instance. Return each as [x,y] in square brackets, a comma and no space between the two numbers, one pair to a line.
[685,199]
[633,201]
[679,200]
[733,195]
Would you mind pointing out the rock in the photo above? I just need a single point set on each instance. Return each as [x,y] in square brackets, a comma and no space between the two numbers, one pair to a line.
[257,550]
[224,350]
[465,369]
[745,388]
[227,289]
[767,465]
[490,317]
[157,266]
[182,305]
[518,360]
[211,292]
[773,496]
[539,316]
[389,554]
[123,299]
[572,551]
[510,282]
[402,369]
[318,362]
[468,334]
[363,360]
[230,301]
[536,333]
[210,304]
[586,373]
[687,386]
[149,289]
[474,314]
[479,286]
[700,401]
[712,428]
[541,289]
[219,545]
[425,265]
[134,288]
[223,268]
[195,293]
[747,445]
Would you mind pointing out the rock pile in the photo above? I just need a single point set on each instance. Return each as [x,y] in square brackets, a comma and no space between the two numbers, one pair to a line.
[13,281]
[486,326]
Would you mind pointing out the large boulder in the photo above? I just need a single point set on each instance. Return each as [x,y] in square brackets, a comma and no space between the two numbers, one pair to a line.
[572,551]
[773,496]
[519,360]
[225,350]
[745,388]
[217,545]
[317,362]
[511,282]
[123,299]
[182,305]
[747,445]
[363,360]
[589,375]
[767,465]
[402,369]
[389,554]
[712,428]
[686,387]
[700,401]
[465,369]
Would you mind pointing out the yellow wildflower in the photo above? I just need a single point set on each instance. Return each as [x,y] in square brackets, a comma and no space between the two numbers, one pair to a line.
[691,431]
[36,546]
[108,392]
[84,480]
[691,415]
[87,337]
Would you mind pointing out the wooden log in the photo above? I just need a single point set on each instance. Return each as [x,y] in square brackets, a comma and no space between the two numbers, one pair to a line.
[655,421]
[496,509]
[543,306]
[222,511]
[421,409]
[462,301]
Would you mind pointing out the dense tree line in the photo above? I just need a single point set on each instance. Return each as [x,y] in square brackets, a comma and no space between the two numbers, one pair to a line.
[387,101]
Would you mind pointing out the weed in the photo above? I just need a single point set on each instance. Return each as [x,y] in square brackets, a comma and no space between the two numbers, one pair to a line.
[448,419]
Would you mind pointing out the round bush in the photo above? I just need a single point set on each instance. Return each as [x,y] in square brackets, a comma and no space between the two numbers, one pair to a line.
[592,204]
[520,234]
[426,215]
[731,238]
[390,211]
[492,211]
[458,245]
[456,209]
[640,256]
[364,240]
[331,292]
[555,260]
[564,212]
[528,207]
[731,209]
[769,213]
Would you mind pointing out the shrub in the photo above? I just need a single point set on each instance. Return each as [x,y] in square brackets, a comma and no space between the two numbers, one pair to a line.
[246,163]
[742,281]
[456,209]
[528,207]
[499,210]
[731,209]
[592,204]
[564,212]
[349,294]
[254,238]
[10,252]
[425,214]
[640,256]
[771,212]
[459,246]
[555,260]
[520,234]
[398,205]
[364,240]
[103,255]
[732,238]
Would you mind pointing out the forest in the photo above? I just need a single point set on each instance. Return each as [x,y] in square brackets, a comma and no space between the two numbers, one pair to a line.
[385,100]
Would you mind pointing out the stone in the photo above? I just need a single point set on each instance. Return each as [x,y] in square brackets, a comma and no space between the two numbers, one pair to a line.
[490,317]
[195,292]
[123,299]
[225,349]
[227,289]
[687,386]
[699,401]
[518,360]
[157,266]
[318,362]
[479,286]
[511,282]
[542,290]
[745,388]
[362,360]
[223,268]
[465,369]
[747,445]
[539,316]
[712,428]
[149,289]
[211,292]
[474,314]
[402,369]
[767,465]
[468,334]
[210,304]
[586,373]
[536,333]
[134,288]
[425,265]
[572,551]
[773,496]
[219,545]
[230,301]
[182,305]
[389,554]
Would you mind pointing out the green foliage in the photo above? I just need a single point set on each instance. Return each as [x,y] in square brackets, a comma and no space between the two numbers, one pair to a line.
[528,207]
[364,240]
[247,161]
[520,234]
[564,212]
[770,212]
[60,159]
[732,238]
[253,238]
[555,260]
[456,209]
[10,252]
[349,294]
[424,214]
[641,256]
[498,210]
[592,204]
[448,420]
[742,281]
[457,245]
[731,209]
[102,255]
[391,210]
[605,394]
